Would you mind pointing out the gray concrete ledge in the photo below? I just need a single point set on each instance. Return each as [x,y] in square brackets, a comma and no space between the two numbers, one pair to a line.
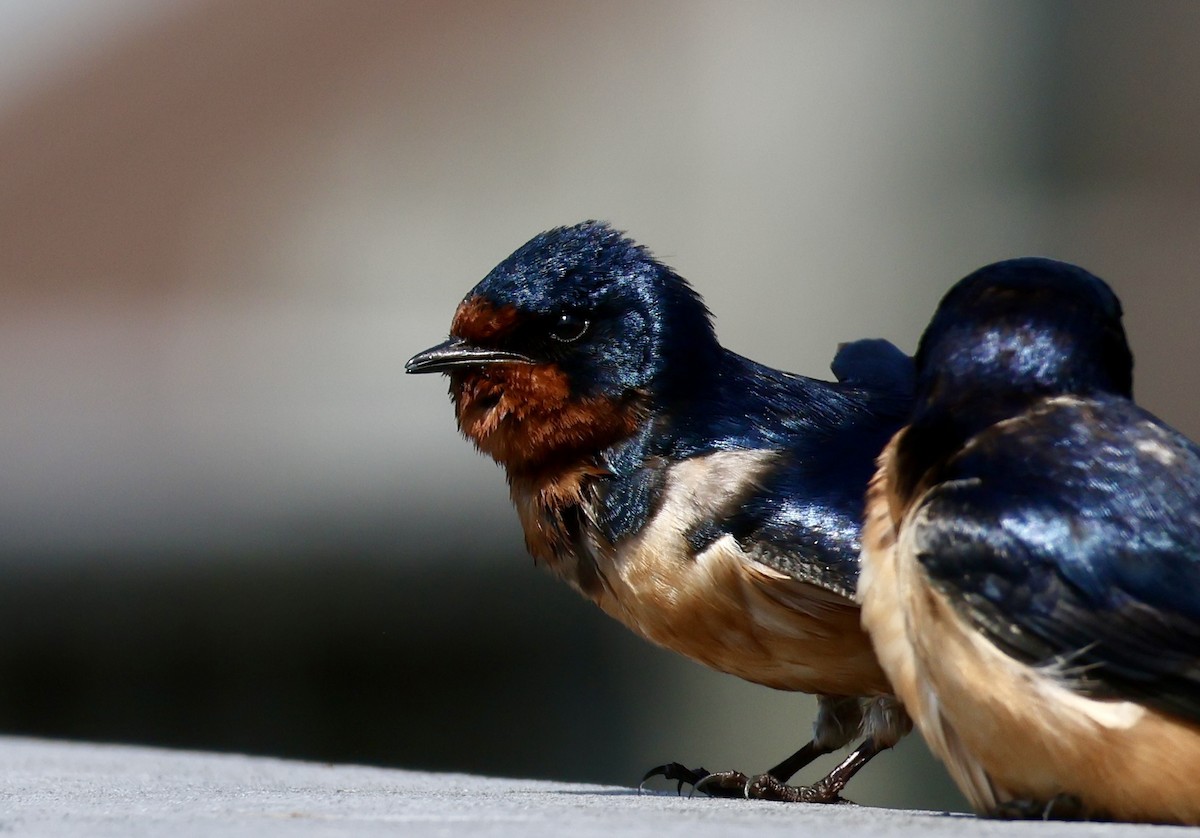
[71,789]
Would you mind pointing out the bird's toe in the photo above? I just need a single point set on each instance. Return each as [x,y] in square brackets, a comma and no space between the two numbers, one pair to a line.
[767,787]
[723,784]
[1061,807]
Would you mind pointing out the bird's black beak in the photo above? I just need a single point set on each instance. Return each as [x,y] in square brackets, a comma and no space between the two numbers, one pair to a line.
[458,353]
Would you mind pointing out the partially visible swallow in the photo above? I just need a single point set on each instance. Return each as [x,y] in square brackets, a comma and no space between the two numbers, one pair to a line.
[711,504]
[1031,562]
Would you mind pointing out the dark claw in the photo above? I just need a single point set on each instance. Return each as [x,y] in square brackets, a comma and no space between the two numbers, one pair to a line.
[1061,807]
[675,771]
[723,784]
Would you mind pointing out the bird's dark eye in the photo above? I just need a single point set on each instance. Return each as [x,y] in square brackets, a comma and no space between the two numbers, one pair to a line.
[568,328]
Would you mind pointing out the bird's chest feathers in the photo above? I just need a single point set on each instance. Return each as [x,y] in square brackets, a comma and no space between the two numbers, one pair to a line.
[655,571]
[650,579]
[556,510]
[715,605]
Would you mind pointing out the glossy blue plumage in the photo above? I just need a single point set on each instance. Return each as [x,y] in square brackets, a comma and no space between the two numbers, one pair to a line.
[804,517]
[1011,332]
[711,504]
[1064,520]
[649,332]
[645,318]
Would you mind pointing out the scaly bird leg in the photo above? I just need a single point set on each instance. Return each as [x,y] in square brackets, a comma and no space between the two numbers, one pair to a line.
[732,783]
[826,790]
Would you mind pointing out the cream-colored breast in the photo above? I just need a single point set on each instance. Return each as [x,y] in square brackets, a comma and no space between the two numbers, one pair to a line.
[724,609]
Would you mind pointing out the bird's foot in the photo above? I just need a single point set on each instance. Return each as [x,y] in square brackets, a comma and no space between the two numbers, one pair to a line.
[723,784]
[737,784]
[713,784]
[767,787]
[1061,807]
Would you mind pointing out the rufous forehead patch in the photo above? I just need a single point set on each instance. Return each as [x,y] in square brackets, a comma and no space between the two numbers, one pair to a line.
[479,321]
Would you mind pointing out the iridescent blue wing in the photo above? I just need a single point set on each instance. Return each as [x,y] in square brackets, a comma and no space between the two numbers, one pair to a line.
[1070,536]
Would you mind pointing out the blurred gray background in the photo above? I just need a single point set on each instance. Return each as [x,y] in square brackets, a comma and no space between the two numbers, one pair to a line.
[227,519]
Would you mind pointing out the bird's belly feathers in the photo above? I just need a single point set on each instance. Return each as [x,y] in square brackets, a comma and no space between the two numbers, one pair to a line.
[725,611]
[1006,730]
[722,608]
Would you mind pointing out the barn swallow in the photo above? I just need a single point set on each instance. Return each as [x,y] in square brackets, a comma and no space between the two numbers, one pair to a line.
[1031,559]
[711,504]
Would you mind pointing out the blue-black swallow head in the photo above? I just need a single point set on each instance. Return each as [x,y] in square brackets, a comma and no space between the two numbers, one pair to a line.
[565,346]
[1025,328]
